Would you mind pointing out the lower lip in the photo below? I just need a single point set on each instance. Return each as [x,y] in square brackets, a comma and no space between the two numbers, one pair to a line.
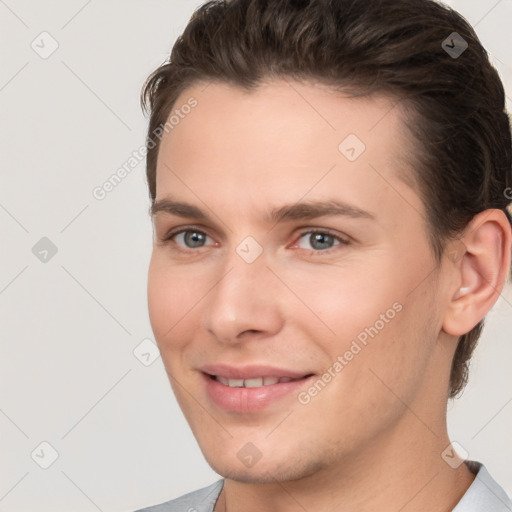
[250,399]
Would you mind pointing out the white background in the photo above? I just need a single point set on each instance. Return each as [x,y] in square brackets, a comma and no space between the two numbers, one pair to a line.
[68,327]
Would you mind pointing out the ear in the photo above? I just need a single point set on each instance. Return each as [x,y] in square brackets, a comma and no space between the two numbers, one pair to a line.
[480,264]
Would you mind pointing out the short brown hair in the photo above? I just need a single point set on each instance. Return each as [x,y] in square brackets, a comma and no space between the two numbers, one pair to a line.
[393,47]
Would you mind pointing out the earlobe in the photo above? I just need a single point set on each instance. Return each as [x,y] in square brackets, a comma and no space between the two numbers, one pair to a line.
[480,272]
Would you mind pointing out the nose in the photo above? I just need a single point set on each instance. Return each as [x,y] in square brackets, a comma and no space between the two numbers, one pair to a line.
[244,303]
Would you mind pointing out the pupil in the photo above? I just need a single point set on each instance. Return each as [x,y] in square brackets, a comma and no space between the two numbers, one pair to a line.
[194,239]
[321,239]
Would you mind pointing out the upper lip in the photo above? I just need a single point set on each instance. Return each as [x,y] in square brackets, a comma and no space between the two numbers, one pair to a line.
[250,371]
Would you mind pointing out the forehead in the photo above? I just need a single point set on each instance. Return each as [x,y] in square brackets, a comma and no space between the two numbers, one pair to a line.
[284,138]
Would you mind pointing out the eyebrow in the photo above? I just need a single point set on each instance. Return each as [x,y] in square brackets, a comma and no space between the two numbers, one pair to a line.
[298,211]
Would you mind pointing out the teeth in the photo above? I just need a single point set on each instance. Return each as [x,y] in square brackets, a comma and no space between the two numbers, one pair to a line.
[252,383]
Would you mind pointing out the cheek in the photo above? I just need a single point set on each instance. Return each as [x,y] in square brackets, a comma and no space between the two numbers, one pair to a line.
[170,302]
[378,326]
[395,360]
[346,301]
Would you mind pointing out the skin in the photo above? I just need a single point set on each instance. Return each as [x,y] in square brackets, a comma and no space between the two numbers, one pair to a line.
[372,438]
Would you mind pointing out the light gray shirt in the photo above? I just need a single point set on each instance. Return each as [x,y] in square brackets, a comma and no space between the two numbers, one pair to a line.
[484,495]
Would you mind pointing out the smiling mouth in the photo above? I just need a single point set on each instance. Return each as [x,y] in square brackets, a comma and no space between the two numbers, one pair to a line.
[254,382]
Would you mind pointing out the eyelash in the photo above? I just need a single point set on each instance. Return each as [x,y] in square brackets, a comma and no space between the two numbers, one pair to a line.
[342,241]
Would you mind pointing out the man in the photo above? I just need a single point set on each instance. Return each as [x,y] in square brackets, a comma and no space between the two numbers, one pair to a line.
[328,184]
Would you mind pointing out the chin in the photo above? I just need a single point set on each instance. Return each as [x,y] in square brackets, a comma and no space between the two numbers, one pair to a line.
[264,471]
[248,477]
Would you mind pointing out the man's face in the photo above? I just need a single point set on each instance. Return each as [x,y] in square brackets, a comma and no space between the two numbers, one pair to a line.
[241,294]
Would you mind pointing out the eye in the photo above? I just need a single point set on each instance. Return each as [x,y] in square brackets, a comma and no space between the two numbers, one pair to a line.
[188,238]
[321,240]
